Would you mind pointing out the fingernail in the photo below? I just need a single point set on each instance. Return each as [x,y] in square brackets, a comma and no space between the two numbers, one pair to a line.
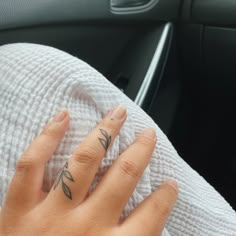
[60,116]
[119,113]
[149,133]
[173,184]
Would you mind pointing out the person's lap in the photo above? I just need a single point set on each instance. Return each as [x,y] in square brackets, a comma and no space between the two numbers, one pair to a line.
[36,81]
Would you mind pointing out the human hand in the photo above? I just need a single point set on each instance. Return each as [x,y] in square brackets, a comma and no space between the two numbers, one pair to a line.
[68,209]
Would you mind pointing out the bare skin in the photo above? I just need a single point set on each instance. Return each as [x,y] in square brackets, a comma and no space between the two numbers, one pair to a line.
[68,209]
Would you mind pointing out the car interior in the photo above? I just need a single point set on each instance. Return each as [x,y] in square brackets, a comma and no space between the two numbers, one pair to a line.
[174,58]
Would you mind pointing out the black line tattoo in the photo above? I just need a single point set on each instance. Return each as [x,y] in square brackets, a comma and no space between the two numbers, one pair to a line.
[106,140]
[64,173]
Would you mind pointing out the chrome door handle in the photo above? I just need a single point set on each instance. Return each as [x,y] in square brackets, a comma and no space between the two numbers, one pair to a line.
[128,3]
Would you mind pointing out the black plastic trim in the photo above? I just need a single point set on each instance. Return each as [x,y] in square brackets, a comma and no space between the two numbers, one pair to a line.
[153,76]
[214,12]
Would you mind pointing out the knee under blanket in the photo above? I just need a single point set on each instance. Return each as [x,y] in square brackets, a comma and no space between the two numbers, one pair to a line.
[37,81]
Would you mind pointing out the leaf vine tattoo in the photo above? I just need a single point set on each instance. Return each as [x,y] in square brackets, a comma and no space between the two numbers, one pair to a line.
[106,140]
[65,173]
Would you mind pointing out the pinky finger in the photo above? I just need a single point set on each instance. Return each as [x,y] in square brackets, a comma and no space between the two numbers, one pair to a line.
[150,217]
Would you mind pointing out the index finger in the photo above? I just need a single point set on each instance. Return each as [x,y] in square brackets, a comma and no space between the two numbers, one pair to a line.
[27,182]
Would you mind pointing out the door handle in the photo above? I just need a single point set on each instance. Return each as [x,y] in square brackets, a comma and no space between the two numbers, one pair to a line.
[128,3]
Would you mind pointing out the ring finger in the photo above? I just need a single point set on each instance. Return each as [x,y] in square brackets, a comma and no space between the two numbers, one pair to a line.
[119,183]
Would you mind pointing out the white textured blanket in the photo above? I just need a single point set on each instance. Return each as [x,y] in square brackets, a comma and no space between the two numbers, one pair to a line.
[37,81]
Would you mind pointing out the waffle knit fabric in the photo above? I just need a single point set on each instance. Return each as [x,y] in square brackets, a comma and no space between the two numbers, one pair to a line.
[37,81]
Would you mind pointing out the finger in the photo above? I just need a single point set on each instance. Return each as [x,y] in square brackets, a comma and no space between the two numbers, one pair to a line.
[73,183]
[118,184]
[26,187]
[153,212]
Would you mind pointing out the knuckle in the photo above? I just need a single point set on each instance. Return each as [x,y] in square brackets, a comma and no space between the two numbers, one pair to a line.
[129,168]
[51,132]
[145,141]
[171,192]
[109,124]
[25,163]
[86,155]
[161,206]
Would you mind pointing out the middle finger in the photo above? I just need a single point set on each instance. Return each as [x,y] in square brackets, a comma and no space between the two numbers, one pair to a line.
[73,183]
